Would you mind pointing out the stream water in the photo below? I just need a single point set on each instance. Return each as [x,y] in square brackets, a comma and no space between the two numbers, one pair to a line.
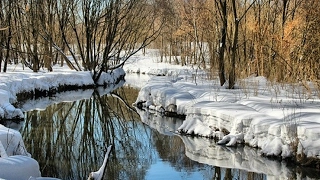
[69,139]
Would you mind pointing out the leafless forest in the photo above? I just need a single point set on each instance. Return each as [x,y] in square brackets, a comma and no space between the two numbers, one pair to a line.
[278,39]
[97,34]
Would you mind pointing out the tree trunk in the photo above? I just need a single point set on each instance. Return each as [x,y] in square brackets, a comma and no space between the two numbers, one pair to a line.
[232,72]
[222,45]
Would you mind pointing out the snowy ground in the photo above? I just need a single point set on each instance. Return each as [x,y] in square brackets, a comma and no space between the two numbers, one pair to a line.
[282,120]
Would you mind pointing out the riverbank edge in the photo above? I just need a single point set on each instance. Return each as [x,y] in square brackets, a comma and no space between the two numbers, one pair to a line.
[51,91]
[168,101]
[298,159]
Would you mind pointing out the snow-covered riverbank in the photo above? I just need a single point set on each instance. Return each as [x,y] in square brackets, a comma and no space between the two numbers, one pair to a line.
[280,119]
[206,151]
[24,81]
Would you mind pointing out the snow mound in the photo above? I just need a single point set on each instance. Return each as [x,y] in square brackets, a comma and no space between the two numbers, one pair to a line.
[15,161]
[6,109]
[19,167]
[110,77]
[279,125]
[12,142]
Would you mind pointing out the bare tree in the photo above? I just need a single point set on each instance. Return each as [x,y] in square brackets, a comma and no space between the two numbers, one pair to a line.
[234,45]
[104,34]
[98,35]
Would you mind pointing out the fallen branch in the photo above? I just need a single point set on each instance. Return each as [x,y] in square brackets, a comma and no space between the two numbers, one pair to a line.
[97,175]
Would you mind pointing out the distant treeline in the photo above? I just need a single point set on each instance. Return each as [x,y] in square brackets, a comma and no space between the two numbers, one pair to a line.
[237,38]
[276,39]
[93,35]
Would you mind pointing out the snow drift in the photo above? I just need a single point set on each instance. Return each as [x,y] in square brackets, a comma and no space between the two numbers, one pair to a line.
[280,123]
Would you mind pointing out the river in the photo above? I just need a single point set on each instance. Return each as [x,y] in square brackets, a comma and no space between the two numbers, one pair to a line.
[68,134]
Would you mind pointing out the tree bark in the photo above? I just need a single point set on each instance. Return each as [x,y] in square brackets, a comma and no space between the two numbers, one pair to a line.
[222,45]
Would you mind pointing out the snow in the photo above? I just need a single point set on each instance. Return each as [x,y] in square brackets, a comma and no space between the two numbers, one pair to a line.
[19,167]
[279,119]
[19,81]
[12,141]
[15,161]
[276,118]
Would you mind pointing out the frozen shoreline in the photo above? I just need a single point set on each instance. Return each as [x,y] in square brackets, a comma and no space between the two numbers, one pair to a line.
[206,151]
[14,83]
[276,126]
[280,119]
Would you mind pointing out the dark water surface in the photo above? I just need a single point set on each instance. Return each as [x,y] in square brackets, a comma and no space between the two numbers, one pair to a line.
[69,140]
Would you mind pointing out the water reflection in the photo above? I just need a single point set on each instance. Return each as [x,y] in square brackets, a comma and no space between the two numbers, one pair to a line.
[170,149]
[69,140]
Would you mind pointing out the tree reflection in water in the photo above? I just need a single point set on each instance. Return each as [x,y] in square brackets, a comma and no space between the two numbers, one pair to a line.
[68,139]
